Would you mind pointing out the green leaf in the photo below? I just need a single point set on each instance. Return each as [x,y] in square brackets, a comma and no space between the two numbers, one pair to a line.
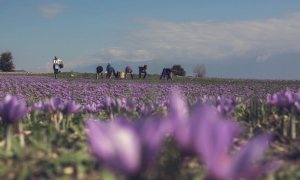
[3,170]
[27,169]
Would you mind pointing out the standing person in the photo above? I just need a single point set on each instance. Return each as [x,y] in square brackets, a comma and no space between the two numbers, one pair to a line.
[167,72]
[142,69]
[56,63]
[128,70]
[99,71]
[110,71]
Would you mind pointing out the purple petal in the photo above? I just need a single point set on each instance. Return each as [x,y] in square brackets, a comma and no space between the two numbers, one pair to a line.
[243,162]
[117,144]
[214,135]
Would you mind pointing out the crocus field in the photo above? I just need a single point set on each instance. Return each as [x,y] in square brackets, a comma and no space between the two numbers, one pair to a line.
[188,128]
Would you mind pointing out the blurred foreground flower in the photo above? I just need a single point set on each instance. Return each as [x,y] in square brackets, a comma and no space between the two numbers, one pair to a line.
[214,140]
[125,147]
[70,107]
[226,106]
[282,99]
[12,110]
[181,125]
[115,143]
[92,108]
[54,104]
[152,133]
[40,106]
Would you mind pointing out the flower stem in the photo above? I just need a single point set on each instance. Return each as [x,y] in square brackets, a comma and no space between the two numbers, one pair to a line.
[21,135]
[293,124]
[8,137]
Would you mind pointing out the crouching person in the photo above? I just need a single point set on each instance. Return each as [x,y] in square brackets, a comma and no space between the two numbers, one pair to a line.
[99,71]
[142,70]
[128,70]
[167,72]
[110,71]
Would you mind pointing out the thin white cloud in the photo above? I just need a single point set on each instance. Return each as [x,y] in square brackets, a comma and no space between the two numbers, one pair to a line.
[264,57]
[109,55]
[219,40]
[116,53]
[195,41]
[51,10]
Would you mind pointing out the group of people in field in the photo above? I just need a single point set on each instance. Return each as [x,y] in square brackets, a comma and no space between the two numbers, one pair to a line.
[110,71]
[166,72]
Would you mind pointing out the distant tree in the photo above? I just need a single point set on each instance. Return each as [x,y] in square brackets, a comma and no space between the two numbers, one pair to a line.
[199,70]
[179,70]
[6,62]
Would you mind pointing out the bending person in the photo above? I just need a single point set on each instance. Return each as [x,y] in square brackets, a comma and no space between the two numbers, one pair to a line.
[110,71]
[167,72]
[142,70]
[128,70]
[99,71]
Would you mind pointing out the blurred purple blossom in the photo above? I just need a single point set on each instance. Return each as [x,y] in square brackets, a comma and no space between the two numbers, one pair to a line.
[126,147]
[181,125]
[12,110]
[214,140]
[70,107]
[40,106]
[226,106]
[54,104]
[152,133]
[117,144]
[281,99]
[93,108]
[130,104]
[148,109]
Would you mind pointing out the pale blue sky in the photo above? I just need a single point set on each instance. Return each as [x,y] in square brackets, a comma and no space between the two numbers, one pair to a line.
[215,33]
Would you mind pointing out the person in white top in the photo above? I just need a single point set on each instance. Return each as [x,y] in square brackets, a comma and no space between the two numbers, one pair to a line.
[56,63]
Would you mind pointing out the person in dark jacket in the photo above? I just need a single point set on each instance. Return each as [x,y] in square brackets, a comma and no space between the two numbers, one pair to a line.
[110,71]
[142,70]
[99,71]
[128,70]
[167,72]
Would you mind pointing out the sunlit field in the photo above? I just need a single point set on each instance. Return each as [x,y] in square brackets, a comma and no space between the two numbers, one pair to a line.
[80,127]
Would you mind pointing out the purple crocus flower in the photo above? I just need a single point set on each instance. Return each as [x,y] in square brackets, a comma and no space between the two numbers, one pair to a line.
[297,101]
[152,134]
[297,96]
[54,104]
[117,144]
[281,99]
[130,104]
[126,147]
[181,124]
[40,106]
[12,110]
[108,102]
[214,139]
[70,107]
[92,108]
[226,106]
[148,109]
